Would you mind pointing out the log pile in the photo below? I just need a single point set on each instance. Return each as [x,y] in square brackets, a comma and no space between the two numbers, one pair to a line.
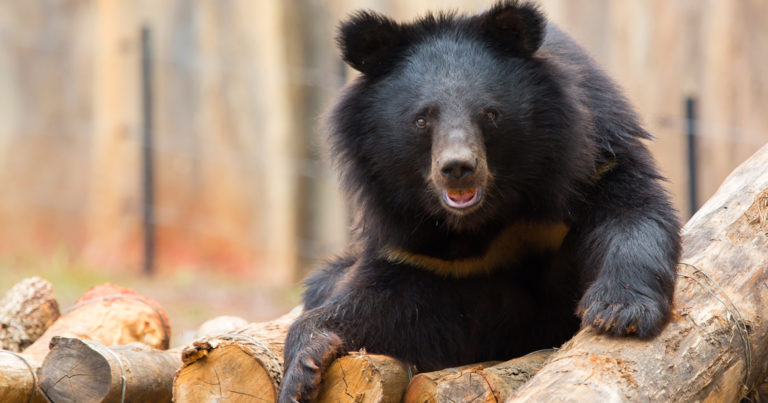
[112,345]
[122,316]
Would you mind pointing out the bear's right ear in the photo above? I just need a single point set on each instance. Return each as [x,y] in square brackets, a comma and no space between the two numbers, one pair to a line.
[369,42]
[513,27]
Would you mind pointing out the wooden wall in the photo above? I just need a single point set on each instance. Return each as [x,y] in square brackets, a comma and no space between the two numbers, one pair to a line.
[239,86]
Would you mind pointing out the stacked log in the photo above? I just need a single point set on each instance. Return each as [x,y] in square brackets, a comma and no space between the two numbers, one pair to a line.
[484,382]
[18,380]
[236,366]
[423,387]
[361,377]
[83,371]
[77,370]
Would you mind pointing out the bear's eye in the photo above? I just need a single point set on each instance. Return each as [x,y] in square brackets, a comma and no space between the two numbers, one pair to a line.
[421,122]
[490,116]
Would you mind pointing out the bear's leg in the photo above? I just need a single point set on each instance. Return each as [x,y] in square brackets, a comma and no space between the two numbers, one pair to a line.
[310,349]
[408,314]
[628,247]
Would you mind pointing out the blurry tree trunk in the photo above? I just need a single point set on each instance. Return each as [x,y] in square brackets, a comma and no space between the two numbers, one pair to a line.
[26,311]
[715,347]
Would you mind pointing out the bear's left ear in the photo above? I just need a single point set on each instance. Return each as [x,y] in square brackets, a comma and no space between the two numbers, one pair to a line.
[370,42]
[513,27]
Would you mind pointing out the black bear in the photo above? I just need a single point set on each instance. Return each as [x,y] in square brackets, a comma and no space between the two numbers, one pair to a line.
[501,192]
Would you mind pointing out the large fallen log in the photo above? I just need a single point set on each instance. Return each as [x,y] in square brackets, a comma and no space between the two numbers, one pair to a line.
[243,365]
[716,346]
[82,371]
[26,311]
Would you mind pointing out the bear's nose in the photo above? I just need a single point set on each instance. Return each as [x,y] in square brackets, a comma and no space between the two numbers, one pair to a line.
[458,168]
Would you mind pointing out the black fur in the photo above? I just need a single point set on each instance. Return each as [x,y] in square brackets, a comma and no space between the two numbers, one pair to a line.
[562,145]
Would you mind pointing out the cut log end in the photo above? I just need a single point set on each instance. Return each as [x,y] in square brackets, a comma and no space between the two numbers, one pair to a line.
[240,366]
[92,369]
[228,373]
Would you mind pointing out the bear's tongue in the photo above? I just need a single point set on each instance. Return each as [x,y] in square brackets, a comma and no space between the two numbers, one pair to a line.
[460,198]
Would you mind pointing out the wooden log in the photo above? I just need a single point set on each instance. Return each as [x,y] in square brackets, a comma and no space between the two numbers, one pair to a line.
[26,311]
[86,372]
[243,366]
[110,315]
[494,384]
[716,346]
[82,371]
[18,380]
[220,325]
[360,377]
[423,387]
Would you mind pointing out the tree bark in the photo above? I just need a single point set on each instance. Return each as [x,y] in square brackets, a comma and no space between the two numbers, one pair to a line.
[368,378]
[80,371]
[243,366]
[26,311]
[715,347]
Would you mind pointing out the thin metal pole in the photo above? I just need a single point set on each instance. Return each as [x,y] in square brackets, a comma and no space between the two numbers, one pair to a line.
[147,182]
[690,123]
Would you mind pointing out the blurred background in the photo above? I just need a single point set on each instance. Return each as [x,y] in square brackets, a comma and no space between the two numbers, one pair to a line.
[174,146]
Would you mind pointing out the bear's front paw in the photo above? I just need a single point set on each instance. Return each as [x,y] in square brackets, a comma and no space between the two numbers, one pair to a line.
[622,311]
[302,378]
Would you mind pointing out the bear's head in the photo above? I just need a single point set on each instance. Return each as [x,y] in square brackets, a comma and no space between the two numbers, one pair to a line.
[456,121]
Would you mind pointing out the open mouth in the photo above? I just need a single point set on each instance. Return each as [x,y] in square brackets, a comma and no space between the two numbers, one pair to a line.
[462,198]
